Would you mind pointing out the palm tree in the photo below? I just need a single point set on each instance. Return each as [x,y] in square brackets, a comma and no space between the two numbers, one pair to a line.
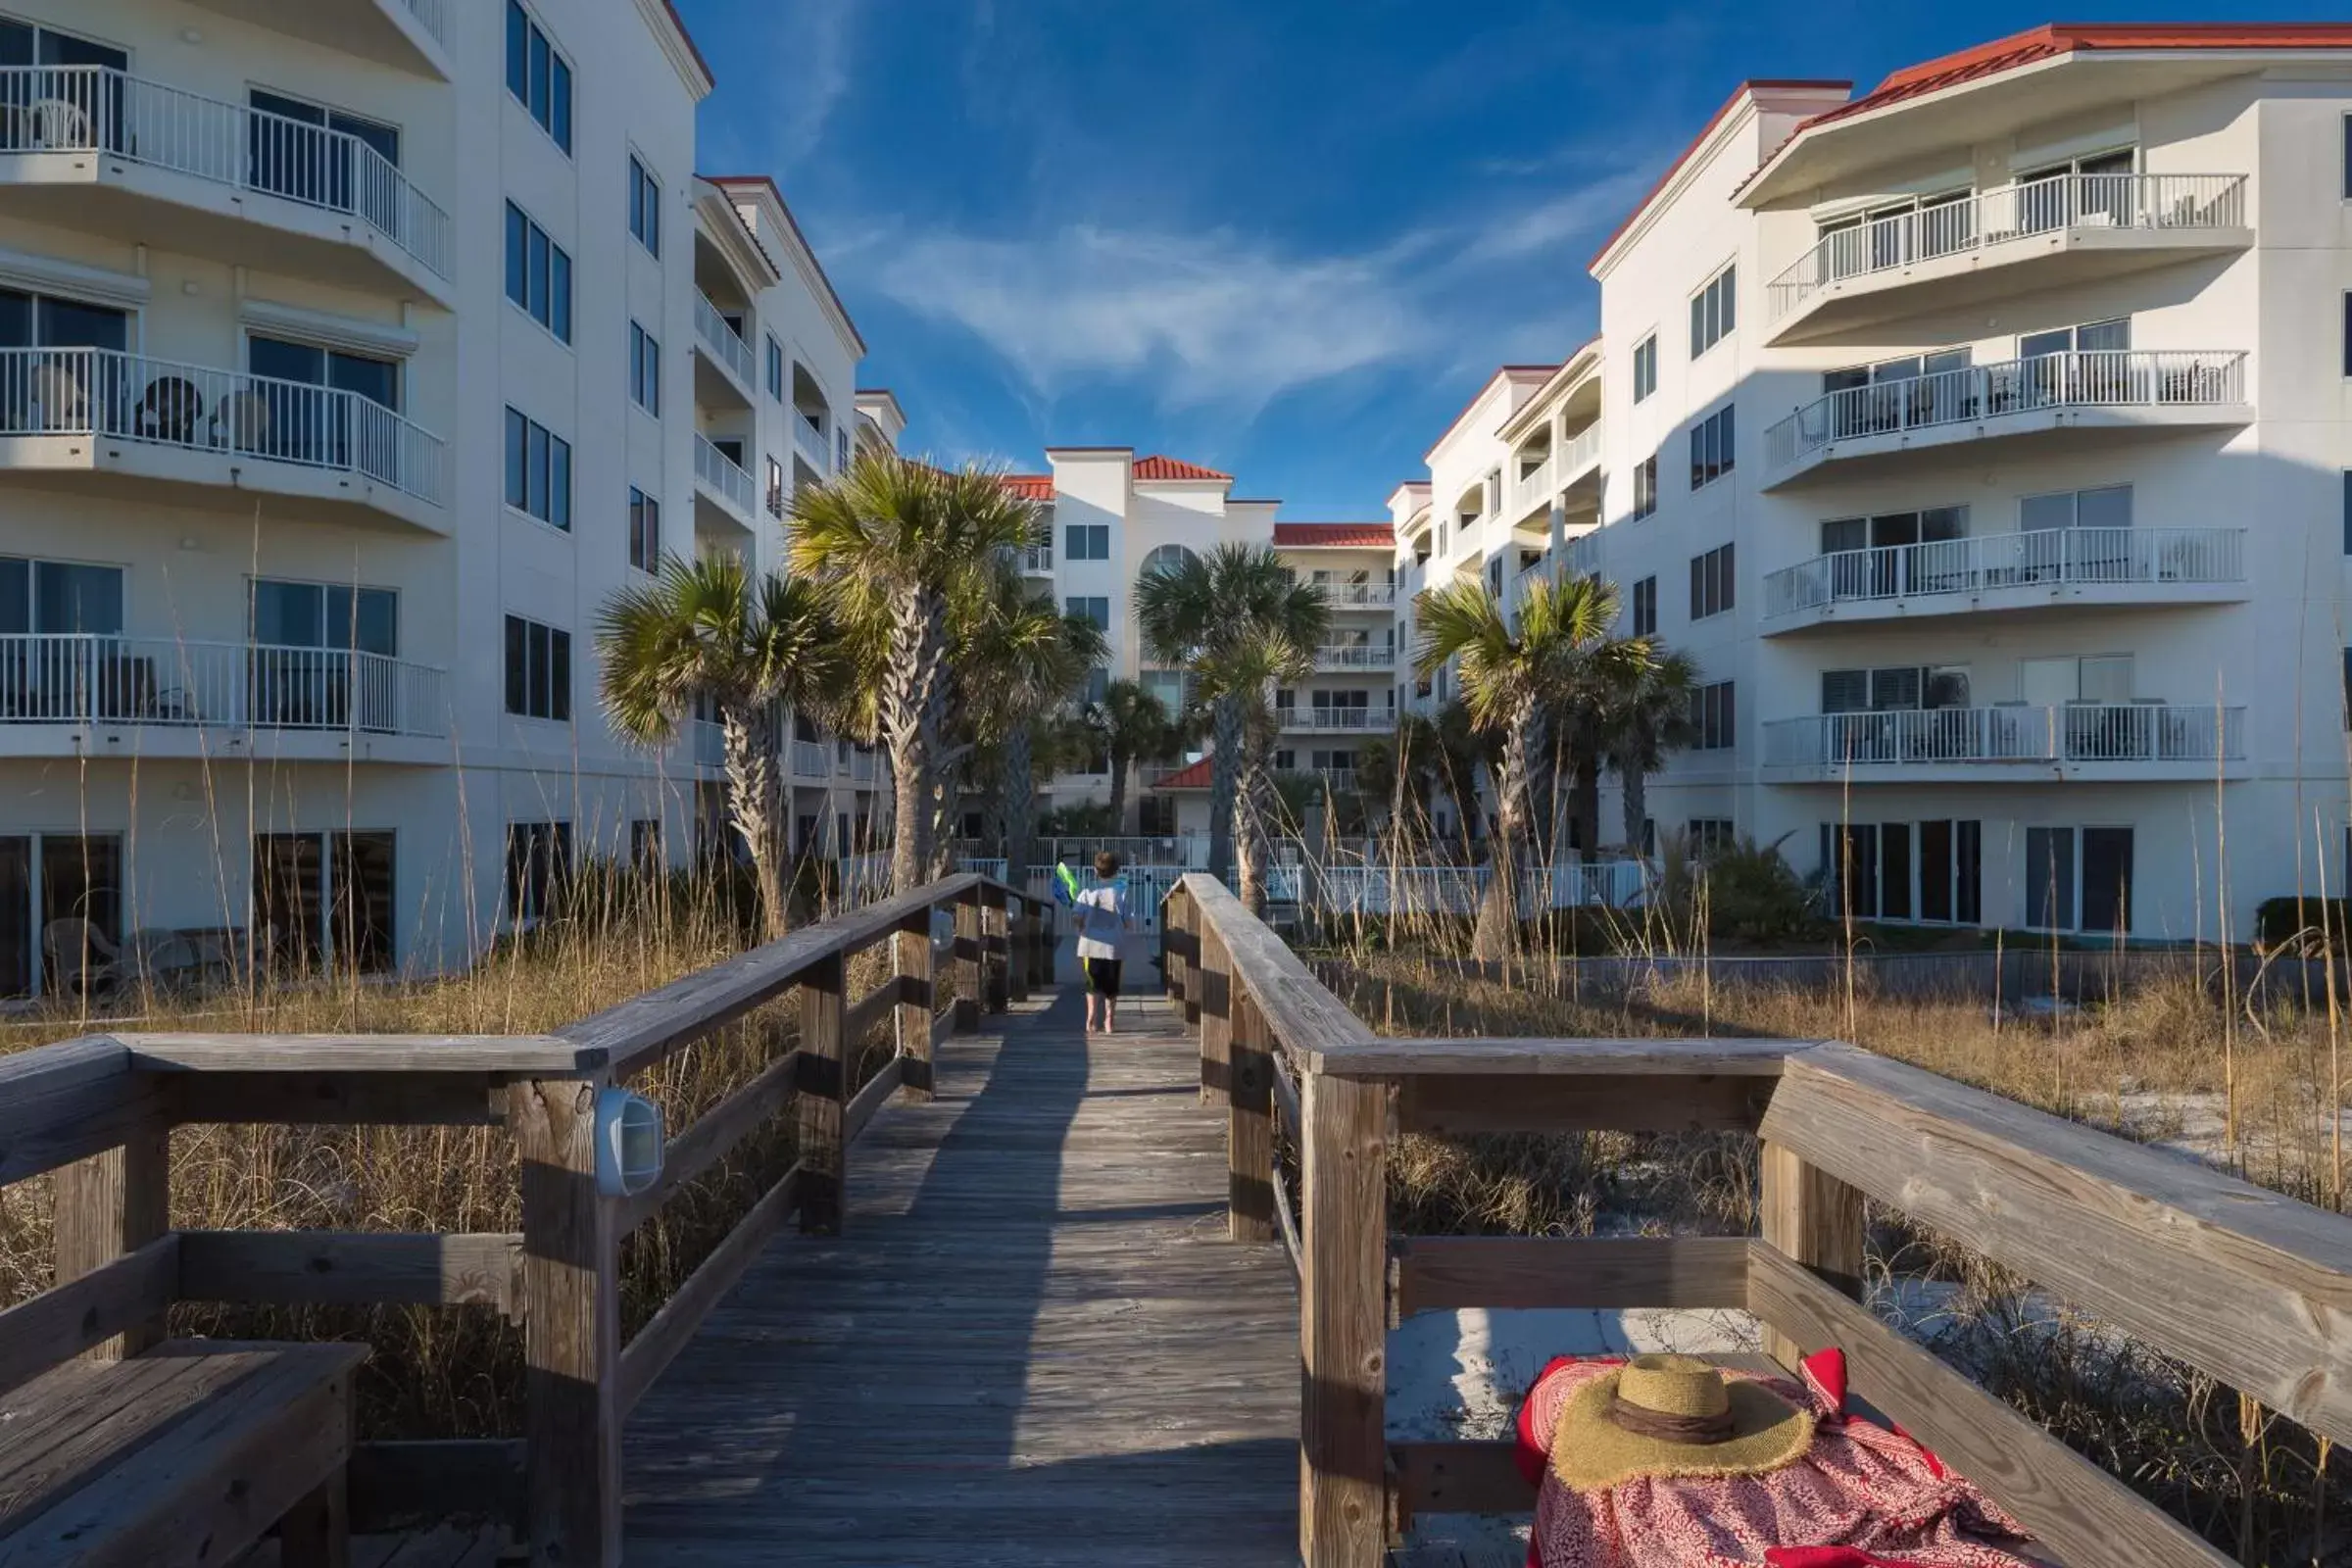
[1204,614]
[1510,677]
[1018,663]
[1131,725]
[1239,678]
[894,542]
[1649,716]
[704,630]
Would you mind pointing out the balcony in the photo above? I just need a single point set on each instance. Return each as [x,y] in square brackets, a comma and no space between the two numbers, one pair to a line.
[2040,233]
[2040,569]
[724,370]
[861,765]
[101,414]
[1317,720]
[2124,390]
[808,761]
[723,495]
[707,739]
[161,697]
[809,442]
[1355,656]
[1359,595]
[1579,458]
[2112,742]
[412,35]
[1037,560]
[112,153]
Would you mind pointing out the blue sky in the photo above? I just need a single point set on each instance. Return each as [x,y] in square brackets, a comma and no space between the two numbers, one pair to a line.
[1287,238]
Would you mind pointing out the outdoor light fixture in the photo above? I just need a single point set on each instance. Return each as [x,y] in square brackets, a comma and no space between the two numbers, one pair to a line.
[628,1143]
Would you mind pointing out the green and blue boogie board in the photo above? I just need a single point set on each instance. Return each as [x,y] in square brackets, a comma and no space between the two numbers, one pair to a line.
[1065,884]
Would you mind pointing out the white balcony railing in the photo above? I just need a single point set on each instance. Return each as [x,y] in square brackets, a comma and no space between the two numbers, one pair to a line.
[1563,466]
[1037,560]
[434,15]
[2027,210]
[861,766]
[716,470]
[129,397]
[1318,718]
[709,738]
[1355,656]
[2048,558]
[1337,780]
[1358,595]
[94,109]
[712,329]
[2078,732]
[809,759]
[809,442]
[2076,379]
[80,678]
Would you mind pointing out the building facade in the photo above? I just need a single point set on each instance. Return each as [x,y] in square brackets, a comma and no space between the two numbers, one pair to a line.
[354,354]
[1984,439]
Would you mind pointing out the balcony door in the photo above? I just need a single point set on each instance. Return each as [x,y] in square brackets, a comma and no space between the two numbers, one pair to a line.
[309,670]
[61,657]
[50,382]
[56,93]
[1890,571]
[304,416]
[311,153]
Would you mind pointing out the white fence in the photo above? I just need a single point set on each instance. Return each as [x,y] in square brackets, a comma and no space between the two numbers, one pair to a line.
[719,471]
[50,678]
[2077,379]
[724,341]
[2022,211]
[1316,717]
[1355,656]
[2078,732]
[1379,890]
[94,109]
[165,403]
[2037,557]
[809,442]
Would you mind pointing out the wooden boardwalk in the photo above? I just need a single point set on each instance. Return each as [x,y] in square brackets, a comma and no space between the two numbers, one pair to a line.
[1033,1344]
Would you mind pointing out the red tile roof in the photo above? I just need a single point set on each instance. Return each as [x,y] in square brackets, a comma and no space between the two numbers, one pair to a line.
[1160,467]
[1334,535]
[2066,37]
[1030,486]
[1193,777]
[1699,140]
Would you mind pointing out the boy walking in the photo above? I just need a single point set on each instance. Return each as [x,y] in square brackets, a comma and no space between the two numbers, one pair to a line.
[1101,917]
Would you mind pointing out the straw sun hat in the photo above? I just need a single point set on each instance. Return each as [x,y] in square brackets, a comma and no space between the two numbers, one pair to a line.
[1674,1415]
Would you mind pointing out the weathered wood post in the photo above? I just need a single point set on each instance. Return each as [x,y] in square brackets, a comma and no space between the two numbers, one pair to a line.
[110,1205]
[820,1072]
[1817,1220]
[995,946]
[1249,1126]
[1344,1323]
[571,1327]
[966,962]
[1171,939]
[910,957]
[1217,1019]
[1021,922]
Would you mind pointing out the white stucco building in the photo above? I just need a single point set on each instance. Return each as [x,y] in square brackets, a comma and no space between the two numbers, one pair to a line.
[1985,438]
[350,355]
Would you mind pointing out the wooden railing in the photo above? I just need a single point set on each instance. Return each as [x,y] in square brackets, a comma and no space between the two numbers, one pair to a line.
[2244,1285]
[98,1112]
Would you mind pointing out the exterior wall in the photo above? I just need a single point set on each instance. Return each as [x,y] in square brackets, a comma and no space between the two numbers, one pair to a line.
[185,799]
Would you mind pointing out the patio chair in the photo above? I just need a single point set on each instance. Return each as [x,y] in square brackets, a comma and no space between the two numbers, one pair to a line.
[79,956]
[61,397]
[240,420]
[59,124]
[170,410]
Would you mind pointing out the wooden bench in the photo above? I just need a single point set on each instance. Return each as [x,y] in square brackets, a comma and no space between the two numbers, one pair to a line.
[180,1457]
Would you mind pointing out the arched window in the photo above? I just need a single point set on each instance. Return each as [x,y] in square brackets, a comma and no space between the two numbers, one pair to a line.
[1167,558]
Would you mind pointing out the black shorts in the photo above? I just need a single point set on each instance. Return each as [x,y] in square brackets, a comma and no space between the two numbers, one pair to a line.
[1104,975]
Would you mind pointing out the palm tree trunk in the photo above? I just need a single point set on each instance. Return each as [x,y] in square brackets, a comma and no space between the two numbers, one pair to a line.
[1224,780]
[1020,801]
[915,695]
[1252,805]
[1495,938]
[1585,802]
[1121,761]
[754,796]
[1636,779]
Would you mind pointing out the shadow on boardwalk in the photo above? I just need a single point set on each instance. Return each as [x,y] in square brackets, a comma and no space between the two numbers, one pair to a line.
[1033,1344]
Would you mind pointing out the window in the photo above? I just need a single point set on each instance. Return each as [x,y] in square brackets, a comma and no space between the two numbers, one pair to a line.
[1095,607]
[2097,883]
[538,861]
[538,471]
[1714,310]
[776,488]
[1645,488]
[2348,332]
[286,159]
[1645,367]
[1900,688]
[1710,583]
[775,369]
[1702,836]
[326,895]
[645,844]
[2092,337]
[644,370]
[1645,607]
[538,671]
[303,632]
[299,429]
[1086,541]
[645,531]
[1495,577]
[538,275]
[1711,444]
[2348,511]
[1951,876]
[1166,557]
[1713,716]
[539,77]
[1098,684]
[56,598]
[2348,158]
[645,207]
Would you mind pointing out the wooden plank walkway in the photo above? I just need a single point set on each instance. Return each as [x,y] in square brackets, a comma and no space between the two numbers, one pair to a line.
[1033,1343]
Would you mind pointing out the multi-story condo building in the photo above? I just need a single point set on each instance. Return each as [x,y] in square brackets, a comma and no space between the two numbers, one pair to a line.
[351,355]
[1984,438]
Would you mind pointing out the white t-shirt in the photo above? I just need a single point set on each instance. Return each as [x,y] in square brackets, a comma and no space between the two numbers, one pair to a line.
[1102,916]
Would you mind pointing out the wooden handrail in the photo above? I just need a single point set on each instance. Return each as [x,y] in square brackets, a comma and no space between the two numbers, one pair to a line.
[2241,1283]
[96,1111]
